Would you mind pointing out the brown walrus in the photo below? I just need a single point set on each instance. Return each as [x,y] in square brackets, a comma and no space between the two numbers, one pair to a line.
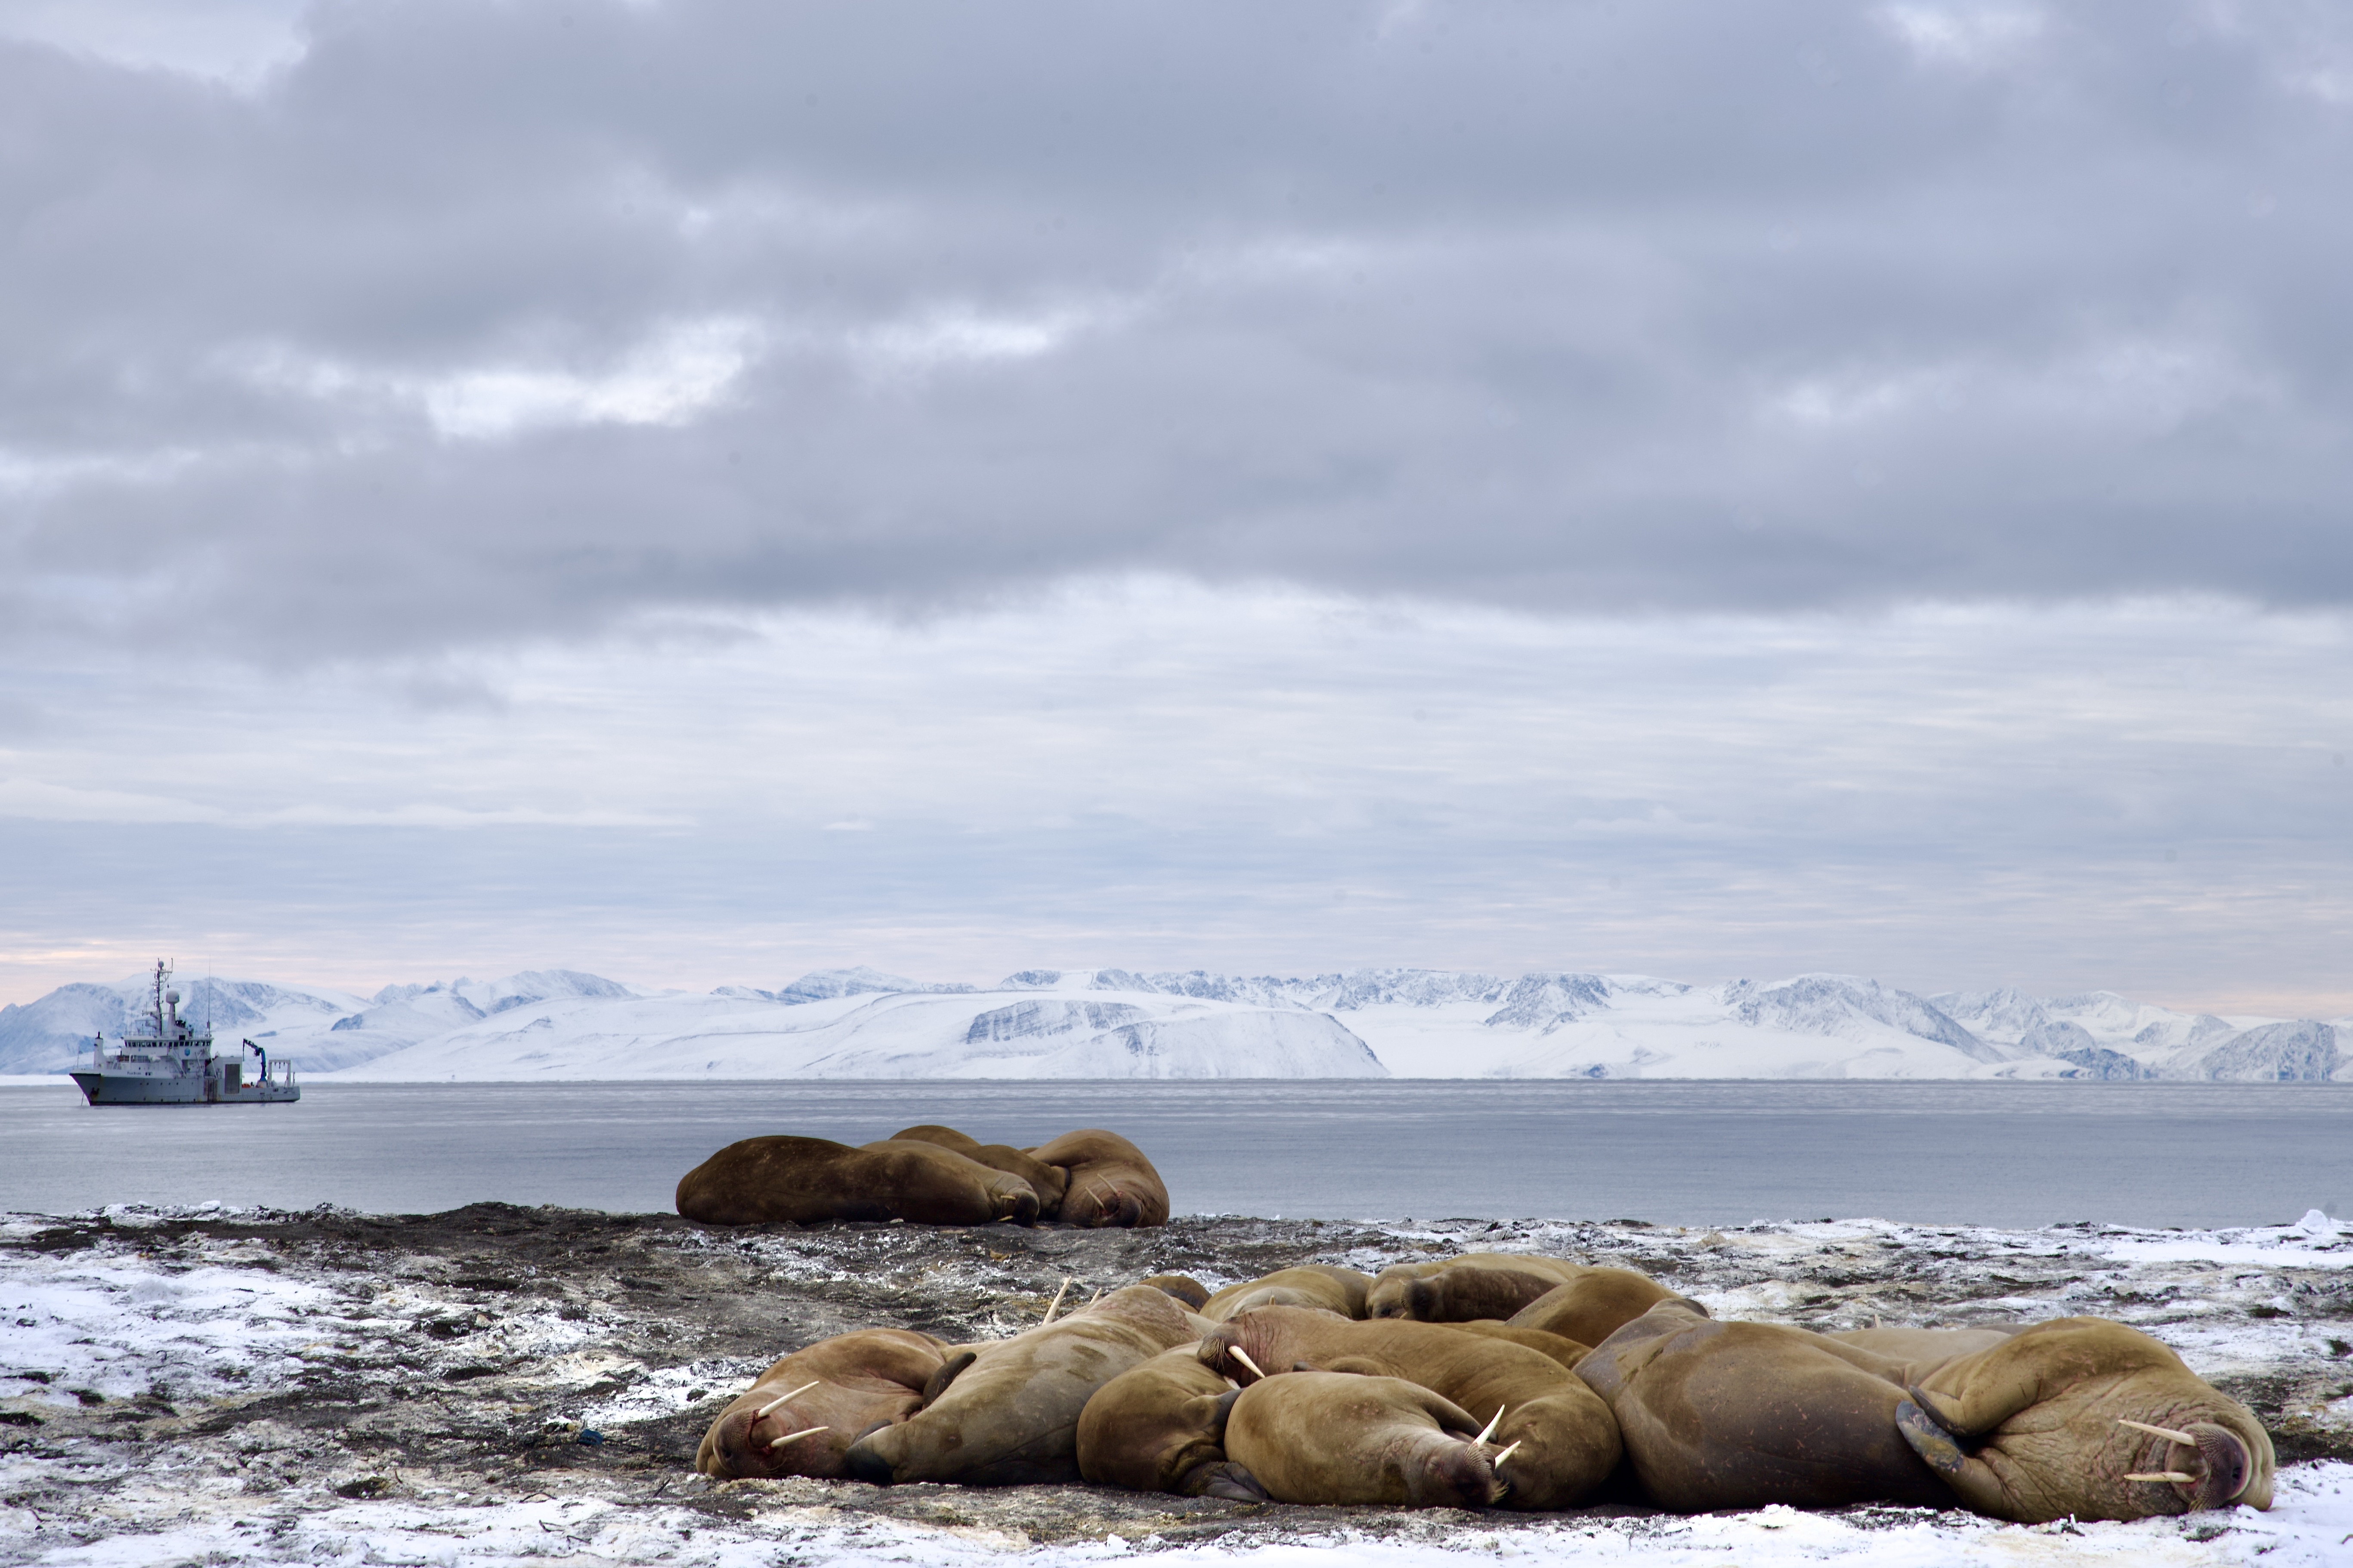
[1161,1427]
[1565,1351]
[1593,1305]
[2087,1417]
[1184,1286]
[1338,1439]
[1922,1347]
[1560,1438]
[1392,1290]
[1111,1182]
[1046,1180]
[1724,1415]
[1009,1416]
[808,1180]
[805,1410]
[1340,1290]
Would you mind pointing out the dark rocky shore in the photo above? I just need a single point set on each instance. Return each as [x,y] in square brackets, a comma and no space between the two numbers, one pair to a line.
[502,1353]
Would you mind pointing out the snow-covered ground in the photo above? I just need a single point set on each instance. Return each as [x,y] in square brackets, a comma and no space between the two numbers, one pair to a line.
[223,1387]
[1118,1023]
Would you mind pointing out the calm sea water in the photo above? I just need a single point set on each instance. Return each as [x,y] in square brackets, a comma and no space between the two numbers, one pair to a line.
[1672,1153]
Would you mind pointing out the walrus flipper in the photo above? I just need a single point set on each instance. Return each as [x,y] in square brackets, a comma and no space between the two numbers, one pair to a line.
[938,1382]
[1225,1479]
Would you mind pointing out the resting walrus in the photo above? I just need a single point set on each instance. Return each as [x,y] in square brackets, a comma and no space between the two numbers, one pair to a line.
[1161,1427]
[805,1410]
[1010,1415]
[1719,1415]
[811,1180]
[1046,1180]
[1111,1182]
[1559,1438]
[1593,1305]
[1528,1277]
[2085,1416]
[1338,1439]
[1340,1290]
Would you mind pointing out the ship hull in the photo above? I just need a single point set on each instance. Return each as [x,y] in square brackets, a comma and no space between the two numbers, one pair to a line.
[178,1088]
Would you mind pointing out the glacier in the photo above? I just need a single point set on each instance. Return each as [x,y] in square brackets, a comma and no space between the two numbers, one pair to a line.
[1115,1023]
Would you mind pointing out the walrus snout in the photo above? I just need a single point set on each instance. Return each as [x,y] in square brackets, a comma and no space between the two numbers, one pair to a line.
[2220,1474]
[1017,1202]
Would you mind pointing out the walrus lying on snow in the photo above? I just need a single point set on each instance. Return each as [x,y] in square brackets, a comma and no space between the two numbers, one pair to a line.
[1554,1441]
[1340,1437]
[1161,1427]
[2079,1415]
[805,1410]
[1007,1413]
[2083,1416]
[809,1180]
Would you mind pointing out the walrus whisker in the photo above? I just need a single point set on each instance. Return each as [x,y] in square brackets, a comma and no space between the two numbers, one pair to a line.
[1055,1305]
[2160,1475]
[2167,1432]
[1498,1421]
[1243,1356]
[789,1437]
[762,1412]
[1497,1462]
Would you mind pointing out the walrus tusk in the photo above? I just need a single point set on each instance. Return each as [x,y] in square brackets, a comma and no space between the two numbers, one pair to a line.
[1243,1356]
[1497,1462]
[2183,1438]
[807,1432]
[1492,1424]
[758,1415]
[2160,1475]
[1055,1305]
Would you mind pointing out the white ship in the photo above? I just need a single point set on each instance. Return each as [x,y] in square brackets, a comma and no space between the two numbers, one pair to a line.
[173,1064]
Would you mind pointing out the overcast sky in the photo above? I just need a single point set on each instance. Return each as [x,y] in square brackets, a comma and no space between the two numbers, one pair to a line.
[702,491]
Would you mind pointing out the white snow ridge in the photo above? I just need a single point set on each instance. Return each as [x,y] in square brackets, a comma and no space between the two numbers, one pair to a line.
[862,1022]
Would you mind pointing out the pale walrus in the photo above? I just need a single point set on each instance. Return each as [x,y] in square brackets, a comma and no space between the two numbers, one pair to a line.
[1009,1416]
[811,1180]
[1111,1182]
[1046,1180]
[1340,1290]
[805,1410]
[1161,1427]
[1560,1439]
[1338,1439]
[1723,1416]
[2085,1416]
[1392,1288]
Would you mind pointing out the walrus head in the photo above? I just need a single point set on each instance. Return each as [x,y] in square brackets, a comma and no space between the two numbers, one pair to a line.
[2207,1465]
[1093,1203]
[764,1439]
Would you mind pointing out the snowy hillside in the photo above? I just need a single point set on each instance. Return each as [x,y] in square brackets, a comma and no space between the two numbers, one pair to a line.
[1119,1024]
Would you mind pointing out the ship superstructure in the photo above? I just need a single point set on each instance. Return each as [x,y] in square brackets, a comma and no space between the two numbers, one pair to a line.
[172,1063]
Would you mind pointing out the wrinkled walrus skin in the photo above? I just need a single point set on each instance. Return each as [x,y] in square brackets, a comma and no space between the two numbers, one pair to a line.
[1011,1417]
[2029,1430]
[1340,1290]
[1161,1427]
[1337,1439]
[1568,1441]
[1046,1180]
[1736,1416]
[1111,1182]
[863,1378]
[808,1180]
[1392,1289]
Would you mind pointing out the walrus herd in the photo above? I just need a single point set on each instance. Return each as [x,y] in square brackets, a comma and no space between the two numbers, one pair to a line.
[1490,1380]
[927,1175]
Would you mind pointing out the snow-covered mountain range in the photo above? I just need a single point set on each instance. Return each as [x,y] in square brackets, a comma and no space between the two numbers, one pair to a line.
[1119,1024]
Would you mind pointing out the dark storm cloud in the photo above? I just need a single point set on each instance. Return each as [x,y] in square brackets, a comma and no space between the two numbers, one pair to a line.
[485,321]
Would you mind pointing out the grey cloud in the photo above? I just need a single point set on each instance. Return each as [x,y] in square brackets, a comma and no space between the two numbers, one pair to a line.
[1583,307]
